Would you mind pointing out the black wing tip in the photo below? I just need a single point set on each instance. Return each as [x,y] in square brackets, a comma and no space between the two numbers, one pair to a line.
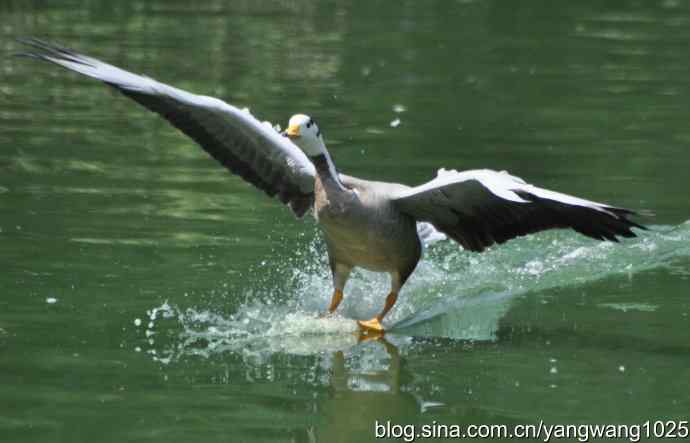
[637,225]
[621,226]
[618,224]
[42,44]
[624,213]
[623,217]
[26,55]
[50,51]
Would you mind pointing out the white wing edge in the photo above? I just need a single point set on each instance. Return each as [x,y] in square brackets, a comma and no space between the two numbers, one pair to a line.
[502,185]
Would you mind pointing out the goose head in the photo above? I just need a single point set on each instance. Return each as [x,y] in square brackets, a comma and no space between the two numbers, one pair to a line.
[304,132]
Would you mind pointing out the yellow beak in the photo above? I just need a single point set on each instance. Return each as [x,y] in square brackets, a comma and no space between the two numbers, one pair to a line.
[292,131]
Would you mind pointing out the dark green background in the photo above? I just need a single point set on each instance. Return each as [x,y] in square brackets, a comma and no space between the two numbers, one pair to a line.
[120,218]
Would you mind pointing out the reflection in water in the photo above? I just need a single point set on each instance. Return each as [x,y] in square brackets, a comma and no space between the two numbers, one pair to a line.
[354,380]
[366,386]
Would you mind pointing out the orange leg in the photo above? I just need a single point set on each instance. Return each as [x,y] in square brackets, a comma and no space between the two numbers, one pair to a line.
[374,325]
[335,300]
[340,274]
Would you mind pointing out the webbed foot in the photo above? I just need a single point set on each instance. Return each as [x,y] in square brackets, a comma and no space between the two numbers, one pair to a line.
[371,327]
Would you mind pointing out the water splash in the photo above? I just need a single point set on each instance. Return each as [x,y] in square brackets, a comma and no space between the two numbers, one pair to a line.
[452,294]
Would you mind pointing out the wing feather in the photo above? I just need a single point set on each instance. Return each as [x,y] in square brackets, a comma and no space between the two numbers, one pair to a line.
[479,208]
[244,145]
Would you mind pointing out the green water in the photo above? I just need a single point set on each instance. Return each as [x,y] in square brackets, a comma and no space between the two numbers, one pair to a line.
[147,295]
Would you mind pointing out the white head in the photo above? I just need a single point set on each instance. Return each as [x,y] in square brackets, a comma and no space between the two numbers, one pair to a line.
[303,132]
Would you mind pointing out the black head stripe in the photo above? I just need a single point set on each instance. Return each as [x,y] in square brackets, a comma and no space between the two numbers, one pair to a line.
[312,122]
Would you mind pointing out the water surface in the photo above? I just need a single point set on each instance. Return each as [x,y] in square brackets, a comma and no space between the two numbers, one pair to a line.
[149,295]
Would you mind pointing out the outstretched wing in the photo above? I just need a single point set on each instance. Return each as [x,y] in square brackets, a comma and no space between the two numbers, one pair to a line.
[247,147]
[481,207]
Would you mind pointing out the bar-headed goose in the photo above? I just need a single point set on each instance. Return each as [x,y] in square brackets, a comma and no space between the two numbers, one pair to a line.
[366,224]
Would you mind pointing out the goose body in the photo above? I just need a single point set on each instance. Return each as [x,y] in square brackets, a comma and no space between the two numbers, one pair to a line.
[363,228]
[368,224]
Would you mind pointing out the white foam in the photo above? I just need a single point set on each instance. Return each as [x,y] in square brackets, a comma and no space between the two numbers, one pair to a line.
[625,307]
